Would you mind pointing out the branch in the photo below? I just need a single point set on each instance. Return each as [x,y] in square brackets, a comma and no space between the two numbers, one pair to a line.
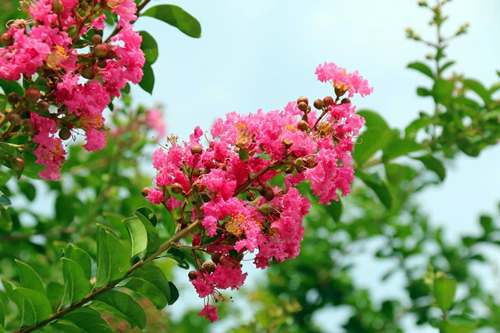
[23,237]
[164,247]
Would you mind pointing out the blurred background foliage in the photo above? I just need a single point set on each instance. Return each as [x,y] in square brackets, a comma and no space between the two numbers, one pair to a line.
[380,221]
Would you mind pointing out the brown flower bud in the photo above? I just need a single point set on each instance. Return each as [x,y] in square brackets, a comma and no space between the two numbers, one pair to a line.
[57,7]
[327,101]
[32,95]
[345,101]
[64,134]
[101,51]
[303,125]
[209,266]
[43,106]
[269,195]
[177,188]
[261,190]
[193,275]
[302,106]
[145,192]
[101,63]
[13,98]
[318,104]
[96,39]
[251,196]
[17,163]
[196,149]
[308,109]
[277,261]
[303,99]
[216,257]
[14,119]
[7,40]
[88,73]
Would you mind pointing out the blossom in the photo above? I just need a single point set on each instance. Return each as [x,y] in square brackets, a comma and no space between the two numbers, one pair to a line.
[210,312]
[338,76]
[156,196]
[154,120]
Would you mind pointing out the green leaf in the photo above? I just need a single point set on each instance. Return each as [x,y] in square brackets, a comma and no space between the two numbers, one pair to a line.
[148,80]
[379,187]
[458,324]
[373,119]
[154,275]
[81,257]
[178,256]
[64,208]
[149,214]
[2,314]
[27,189]
[76,286]
[4,200]
[36,307]
[113,261]
[487,224]
[11,86]
[153,239]
[41,83]
[399,148]
[444,291]
[433,164]
[442,91]
[369,143]
[479,89]
[29,278]
[138,235]
[149,47]
[14,297]
[125,307]
[147,290]
[422,68]
[54,292]
[334,209]
[174,292]
[88,321]
[3,102]
[177,17]
[445,66]
[397,173]
[423,92]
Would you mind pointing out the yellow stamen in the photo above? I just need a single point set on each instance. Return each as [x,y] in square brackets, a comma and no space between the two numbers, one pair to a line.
[61,52]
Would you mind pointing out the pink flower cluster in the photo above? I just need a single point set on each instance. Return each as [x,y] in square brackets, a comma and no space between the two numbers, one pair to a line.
[79,85]
[338,76]
[227,185]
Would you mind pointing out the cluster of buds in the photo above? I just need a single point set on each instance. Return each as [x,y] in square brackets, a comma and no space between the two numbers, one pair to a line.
[71,74]
[242,187]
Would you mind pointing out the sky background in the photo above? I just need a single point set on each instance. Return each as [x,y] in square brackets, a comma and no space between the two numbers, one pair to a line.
[262,54]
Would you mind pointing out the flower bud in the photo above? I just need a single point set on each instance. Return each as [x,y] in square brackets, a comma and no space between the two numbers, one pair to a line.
[101,63]
[88,73]
[7,40]
[193,275]
[299,164]
[17,163]
[269,195]
[303,125]
[303,106]
[261,190]
[32,95]
[288,144]
[209,266]
[197,172]
[27,122]
[251,196]
[13,98]
[277,261]
[43,106]
[308,109]
[96,39]
[177,188]
[327,101]
[216,257]
[64,133]
[14,119]
[101,51]
[345,101]
[265,209]
[145,192]
[72,31]
[196,149]
[57,7]
[303,99]
[318,104]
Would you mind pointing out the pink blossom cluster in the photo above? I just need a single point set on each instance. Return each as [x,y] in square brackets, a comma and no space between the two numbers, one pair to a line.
[343,81]
[80,85]
[228,184]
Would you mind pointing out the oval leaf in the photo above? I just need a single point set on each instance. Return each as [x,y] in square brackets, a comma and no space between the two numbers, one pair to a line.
[113,261]
[29,278]
[76,286]
[138,235]
[125,306]
[176,17]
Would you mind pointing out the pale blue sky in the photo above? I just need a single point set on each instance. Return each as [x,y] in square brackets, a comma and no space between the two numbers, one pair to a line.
[262,54]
